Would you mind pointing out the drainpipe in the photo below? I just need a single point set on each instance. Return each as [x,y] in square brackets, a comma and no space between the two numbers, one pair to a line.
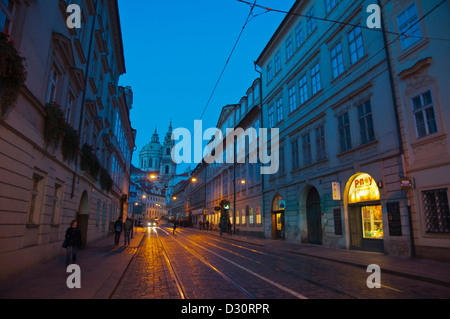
[260,125]
[399,133]
[83,101]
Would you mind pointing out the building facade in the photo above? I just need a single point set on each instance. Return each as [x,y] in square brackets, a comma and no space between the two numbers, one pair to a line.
[420,71]
[325,87]
[237,181]
[66,143]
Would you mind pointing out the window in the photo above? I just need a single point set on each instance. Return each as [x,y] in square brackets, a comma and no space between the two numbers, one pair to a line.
[295,161]
[237,217]
[292,99]
[366,122]
[306,149]
[330,4]
[320,143]
[277,62]
[56,208]
[436,211]
[250,217]
[35,198]
[52,85]
[315,78]
[355,42]
[269,72]
[271,117]
[337,60]
[6,9]
[424,115]
[69,107]
[299,37]
[289,48]
[409,27]
[281,160]
[280,109]
[345,141]
[243,217]
[258,215]
[303,88]
[310,21]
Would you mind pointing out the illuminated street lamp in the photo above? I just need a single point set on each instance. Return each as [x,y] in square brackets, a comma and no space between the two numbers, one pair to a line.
[152,176]
[194,179]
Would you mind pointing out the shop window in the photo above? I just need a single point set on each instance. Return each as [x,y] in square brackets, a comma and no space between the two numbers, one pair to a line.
[372,222]
[436,211]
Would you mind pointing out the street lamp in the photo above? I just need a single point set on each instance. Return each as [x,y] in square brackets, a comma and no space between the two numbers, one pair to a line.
[194,179]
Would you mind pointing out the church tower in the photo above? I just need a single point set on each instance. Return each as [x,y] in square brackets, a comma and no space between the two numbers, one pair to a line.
[157,158]
[168,167]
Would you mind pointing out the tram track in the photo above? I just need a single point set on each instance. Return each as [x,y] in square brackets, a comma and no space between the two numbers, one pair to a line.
[272,254]
[200,258]
[272,267]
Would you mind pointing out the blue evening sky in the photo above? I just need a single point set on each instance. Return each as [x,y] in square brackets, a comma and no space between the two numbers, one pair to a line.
[175,51]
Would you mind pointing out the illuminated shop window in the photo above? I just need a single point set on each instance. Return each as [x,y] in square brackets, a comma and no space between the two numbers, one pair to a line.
[372,222]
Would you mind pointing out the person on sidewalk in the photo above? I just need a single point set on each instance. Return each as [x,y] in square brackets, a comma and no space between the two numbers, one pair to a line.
[230,227]
[72,242]
[118,229]
[127,227]
[174,226]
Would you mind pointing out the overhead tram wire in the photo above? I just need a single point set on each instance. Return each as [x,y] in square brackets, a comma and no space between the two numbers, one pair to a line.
[347,23]
[249,18]
[352,72]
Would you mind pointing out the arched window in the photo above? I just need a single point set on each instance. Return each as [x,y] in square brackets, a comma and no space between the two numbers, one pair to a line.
[150,162]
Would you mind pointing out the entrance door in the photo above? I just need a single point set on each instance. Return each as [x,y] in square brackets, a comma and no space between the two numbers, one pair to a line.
[278,225]
[314,219]
[83,218]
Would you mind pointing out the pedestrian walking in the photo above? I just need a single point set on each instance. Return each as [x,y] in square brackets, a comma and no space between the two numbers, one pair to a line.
[118,229]
[174,226]
[221,227]
[72,242]
[229,227]
[127,227]
[207,225]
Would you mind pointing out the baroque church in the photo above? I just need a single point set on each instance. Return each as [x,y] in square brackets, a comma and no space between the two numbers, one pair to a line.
[155,158]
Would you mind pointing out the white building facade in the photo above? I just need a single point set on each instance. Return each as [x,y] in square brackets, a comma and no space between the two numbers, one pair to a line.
[67,141]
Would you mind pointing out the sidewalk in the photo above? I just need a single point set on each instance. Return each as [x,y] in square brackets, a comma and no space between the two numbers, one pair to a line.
[102,265]
[414,268]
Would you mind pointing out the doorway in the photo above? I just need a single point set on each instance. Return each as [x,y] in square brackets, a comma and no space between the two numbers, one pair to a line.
[278,224]
[314,218]
[83,218]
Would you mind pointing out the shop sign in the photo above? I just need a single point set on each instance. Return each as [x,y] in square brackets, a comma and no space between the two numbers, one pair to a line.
[336,190]
[363,189]
[406,184]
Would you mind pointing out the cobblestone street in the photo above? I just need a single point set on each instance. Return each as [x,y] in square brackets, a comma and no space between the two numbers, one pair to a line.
[195,264]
